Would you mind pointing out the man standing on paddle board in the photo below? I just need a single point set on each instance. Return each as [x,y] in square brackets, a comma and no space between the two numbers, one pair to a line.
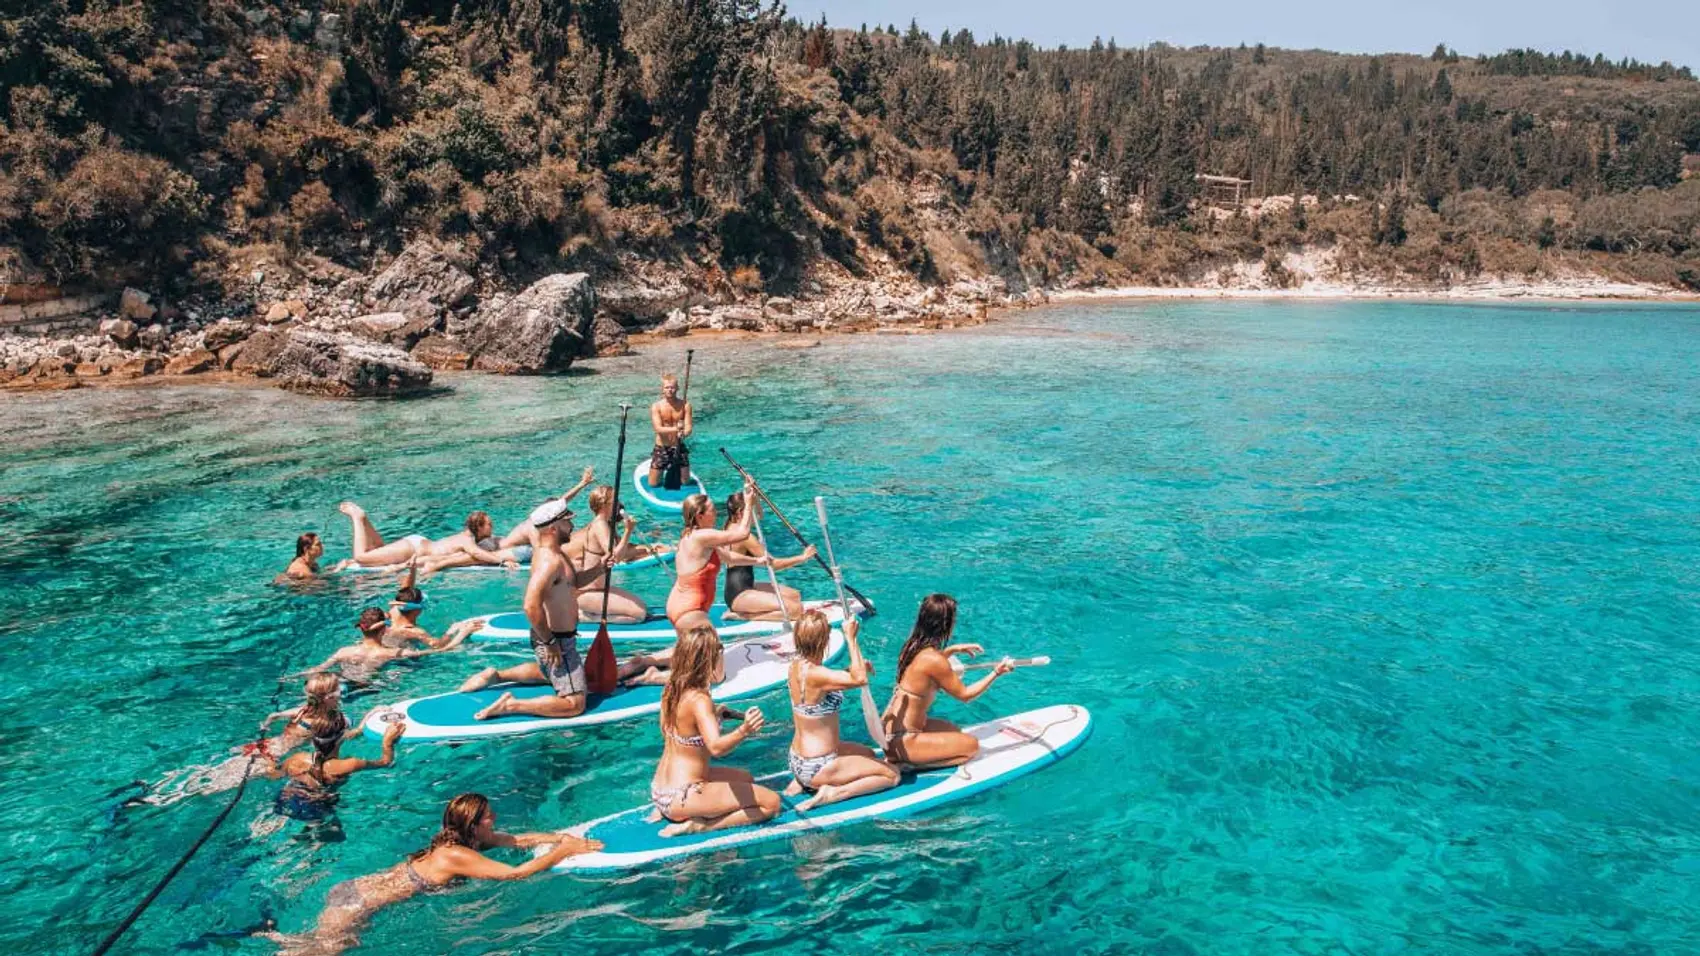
[551,606]
[671,419]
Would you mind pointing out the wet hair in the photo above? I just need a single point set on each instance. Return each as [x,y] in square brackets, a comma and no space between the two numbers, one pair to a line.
[933,626]
[460,824]
[409,595]
[813,635]
[328,729]
[321,691]
[369,620]
[693,508]
[695,659]
[305,544]
[476,519]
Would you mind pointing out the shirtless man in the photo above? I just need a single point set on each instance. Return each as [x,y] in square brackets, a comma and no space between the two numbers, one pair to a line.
[364,658]
[551,606]
[671,419]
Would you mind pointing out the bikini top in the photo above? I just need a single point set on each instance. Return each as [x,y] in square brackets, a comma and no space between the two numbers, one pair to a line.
[695,741]
[825,707]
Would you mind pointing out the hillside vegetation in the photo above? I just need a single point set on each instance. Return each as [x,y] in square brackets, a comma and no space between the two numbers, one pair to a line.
[173,142]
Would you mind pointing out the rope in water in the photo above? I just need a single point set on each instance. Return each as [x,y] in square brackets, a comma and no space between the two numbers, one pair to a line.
[194,848]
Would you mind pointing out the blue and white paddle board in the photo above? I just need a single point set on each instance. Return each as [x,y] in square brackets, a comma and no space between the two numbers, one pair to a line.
[512,626]
[1010,747]
[753,667]
[661,498]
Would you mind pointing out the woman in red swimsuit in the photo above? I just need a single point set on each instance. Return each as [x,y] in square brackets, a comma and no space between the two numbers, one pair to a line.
[701,552]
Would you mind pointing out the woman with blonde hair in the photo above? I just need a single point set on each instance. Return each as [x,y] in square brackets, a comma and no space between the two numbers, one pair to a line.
[821,761]
[263,757]
[689,792]
[596,542]
[701,550]
[469,826]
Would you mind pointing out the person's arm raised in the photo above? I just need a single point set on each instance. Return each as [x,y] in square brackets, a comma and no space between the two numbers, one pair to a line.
[733,533]
[343,766]
[584,482]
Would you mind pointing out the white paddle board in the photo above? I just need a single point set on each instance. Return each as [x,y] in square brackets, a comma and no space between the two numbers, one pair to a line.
[663,499]
[512,626]
[1010,747]
[753,667]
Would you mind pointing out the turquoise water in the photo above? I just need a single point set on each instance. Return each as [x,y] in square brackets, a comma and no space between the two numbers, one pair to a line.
[1386,612]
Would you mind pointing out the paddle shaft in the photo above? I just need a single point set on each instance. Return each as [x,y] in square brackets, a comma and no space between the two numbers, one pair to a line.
[685,390]
[959,667]
[866,604]
[613,512]
[772,576]
[870,713]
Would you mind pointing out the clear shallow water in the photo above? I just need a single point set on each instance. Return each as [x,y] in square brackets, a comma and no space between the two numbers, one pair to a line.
[1386,613]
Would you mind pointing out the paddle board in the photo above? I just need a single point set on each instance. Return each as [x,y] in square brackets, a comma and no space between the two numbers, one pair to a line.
[511,626]
[1010,747]
[661,498]
[753,667]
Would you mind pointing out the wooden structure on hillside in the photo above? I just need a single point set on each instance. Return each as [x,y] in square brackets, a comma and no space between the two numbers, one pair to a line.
[1224,192]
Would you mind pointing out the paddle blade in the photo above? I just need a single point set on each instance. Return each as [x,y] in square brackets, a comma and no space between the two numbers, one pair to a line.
[601,670]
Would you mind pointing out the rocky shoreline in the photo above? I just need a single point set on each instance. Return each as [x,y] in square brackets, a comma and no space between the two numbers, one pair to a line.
[326,330]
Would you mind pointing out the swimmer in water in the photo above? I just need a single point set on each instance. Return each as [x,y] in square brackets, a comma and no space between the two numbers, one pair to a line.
[453,855]
[308,550]
[364,658]
[314,778]
[476,541]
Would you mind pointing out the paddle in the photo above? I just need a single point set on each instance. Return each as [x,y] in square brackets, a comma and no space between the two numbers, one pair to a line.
[859,596]
[772,575]
[960,667]
[673,479]
[601,669]
[870,713]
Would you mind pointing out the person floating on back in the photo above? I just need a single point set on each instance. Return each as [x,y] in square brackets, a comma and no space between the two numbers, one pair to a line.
[670,463]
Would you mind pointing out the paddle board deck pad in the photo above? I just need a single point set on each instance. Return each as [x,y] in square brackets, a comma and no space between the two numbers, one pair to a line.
[512,626]
[1010,747]
[753,667]
[648,561]
[663,498]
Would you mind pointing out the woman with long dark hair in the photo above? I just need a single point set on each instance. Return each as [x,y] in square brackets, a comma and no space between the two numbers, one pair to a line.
[923,669]
[469,826]
[308,550]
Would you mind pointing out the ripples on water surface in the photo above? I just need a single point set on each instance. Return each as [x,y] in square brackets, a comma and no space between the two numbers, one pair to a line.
[1386,612]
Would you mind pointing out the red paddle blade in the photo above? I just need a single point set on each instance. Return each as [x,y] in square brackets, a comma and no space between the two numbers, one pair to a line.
[601,670]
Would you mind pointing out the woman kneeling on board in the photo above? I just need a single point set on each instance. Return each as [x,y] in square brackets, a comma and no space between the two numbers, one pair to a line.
[821,761]
[701,550]
[593,546]
[453,854]
[690,793]
[923,669]
[745,599]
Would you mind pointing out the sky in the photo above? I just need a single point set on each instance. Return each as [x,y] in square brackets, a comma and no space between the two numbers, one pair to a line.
[1650,30]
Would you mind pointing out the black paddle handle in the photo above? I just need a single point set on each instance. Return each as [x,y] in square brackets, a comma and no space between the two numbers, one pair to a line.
[793,529]
[685,391]
[614,508]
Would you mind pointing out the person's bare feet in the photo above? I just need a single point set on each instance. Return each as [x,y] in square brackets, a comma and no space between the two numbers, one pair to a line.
[352,510]
[496,709]
[794,789]
[681,829]
[822,796]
